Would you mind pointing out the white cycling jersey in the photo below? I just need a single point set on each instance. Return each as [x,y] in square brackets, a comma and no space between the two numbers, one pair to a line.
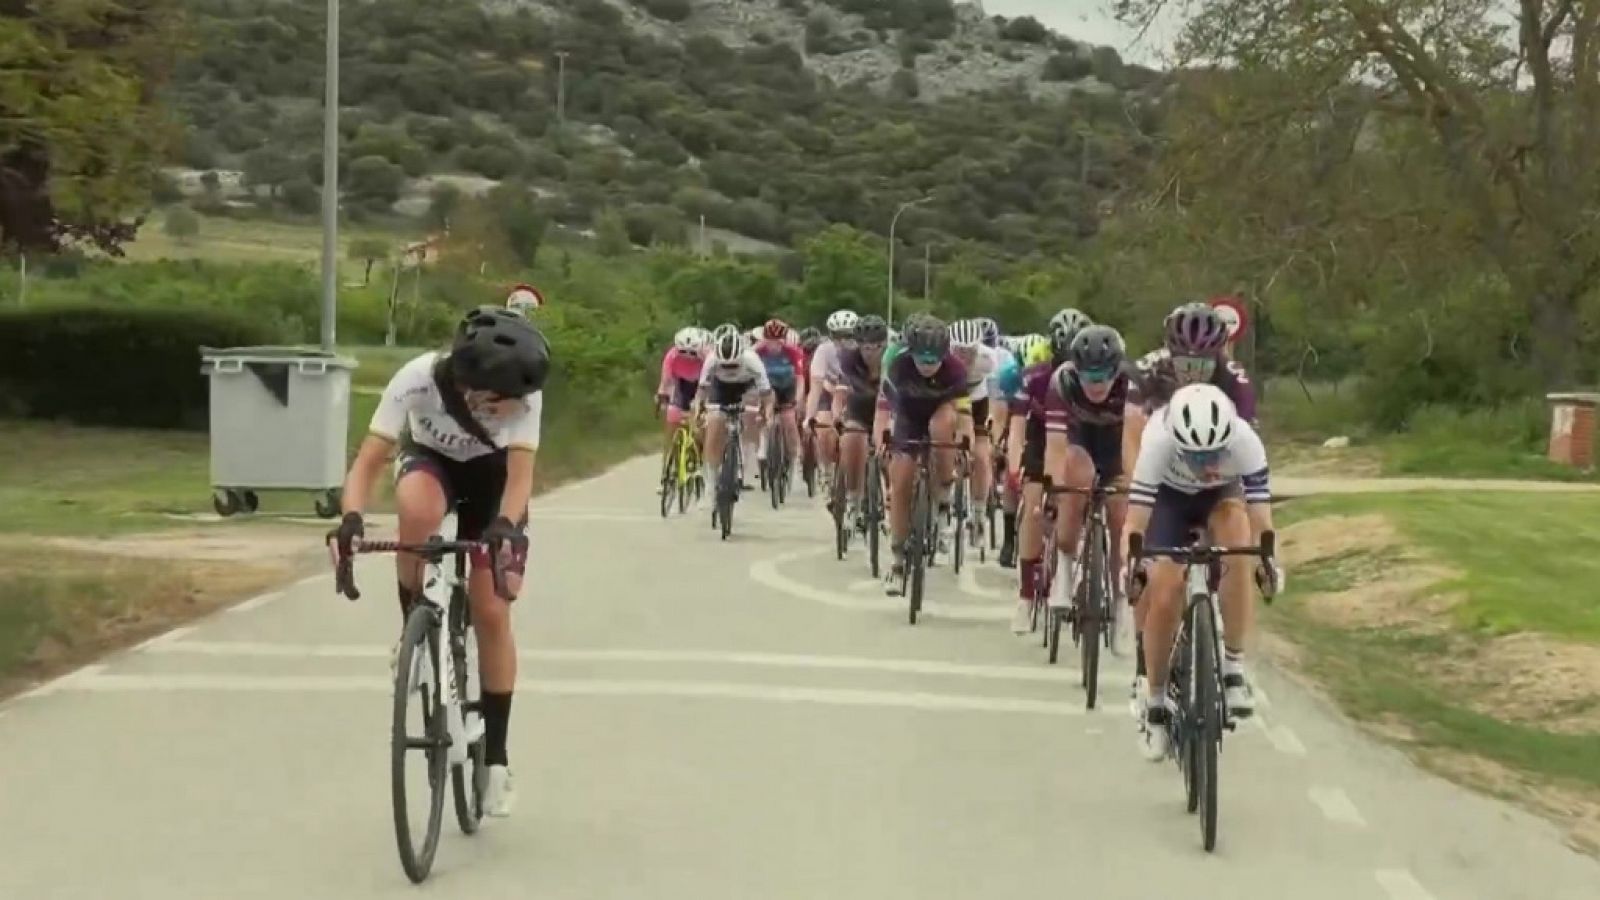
[1161,465]
[985,364]
[412,404]
[748,369]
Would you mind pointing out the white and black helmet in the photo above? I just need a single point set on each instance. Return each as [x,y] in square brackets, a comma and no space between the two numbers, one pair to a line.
[1201,418]
[688,340]
[730,346]
[966,334]
[842,323]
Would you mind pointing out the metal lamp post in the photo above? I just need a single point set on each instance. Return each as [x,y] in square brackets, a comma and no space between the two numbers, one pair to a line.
[889,318]
[330,183]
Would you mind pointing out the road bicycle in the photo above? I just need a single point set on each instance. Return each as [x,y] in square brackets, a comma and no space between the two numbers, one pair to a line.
[443,687]
[681,477]
[1092,617]
[731,478]
[922,542]
[1199,714]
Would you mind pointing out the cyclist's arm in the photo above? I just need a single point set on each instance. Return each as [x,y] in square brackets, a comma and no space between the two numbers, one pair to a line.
[665,384]
[1250,456]
[521,448]
[369,462]
[383,432]
[1155,452]
[1014,443]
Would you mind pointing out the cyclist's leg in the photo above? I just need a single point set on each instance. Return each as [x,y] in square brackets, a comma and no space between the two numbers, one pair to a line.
[1031,526]
[1076,470]
[1011,496]
[753,432]
[791,426]
[827,436]
[1230,527]
[857,414]
[908,426]
[481,491]
[982,457]
[944,461]
[1162,603]
[422,498]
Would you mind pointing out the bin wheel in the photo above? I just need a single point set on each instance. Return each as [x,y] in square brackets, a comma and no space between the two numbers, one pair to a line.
[226,503]
[251,501]
[328,504]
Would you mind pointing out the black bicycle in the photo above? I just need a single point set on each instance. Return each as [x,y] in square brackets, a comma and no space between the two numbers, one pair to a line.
[776,470]
[1194,682]
[729,479]
[452,732]
[808,458]
[922,542]
[960,512]
[873,513]
[839,507]
[1092,616]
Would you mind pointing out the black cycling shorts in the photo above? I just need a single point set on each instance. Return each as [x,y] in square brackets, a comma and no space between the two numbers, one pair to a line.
[1177,514]
[683,391]
[785,395]
[472,488]
[1033,450]
[860,410]
[980,418]
[1103,443]
[729,393]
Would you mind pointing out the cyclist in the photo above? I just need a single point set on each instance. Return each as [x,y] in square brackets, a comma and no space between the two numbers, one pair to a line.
[680,378]
[779,352]
[1200,465]
[826,379]
[1039,364]
[1084,412]
[981,363]
[466,428]
[731,373]
[924,388]
[855,398]
[1005,384]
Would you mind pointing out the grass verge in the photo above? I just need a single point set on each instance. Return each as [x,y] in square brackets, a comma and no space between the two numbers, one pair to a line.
[1485,667]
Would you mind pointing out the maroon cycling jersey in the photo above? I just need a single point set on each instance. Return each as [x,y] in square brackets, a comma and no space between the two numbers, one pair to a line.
[1075,407]
[908,392]
[1155,381]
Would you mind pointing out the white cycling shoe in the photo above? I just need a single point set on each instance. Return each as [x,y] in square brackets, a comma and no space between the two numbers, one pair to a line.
[1154,743]
[1022,619]
[499,796]
[1237,691]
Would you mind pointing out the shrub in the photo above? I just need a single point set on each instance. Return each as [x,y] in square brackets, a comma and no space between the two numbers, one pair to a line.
[1067,67]
[105,364]
[1025,29]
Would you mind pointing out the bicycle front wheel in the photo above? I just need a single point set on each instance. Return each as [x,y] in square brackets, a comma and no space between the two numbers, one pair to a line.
[921,534]
[416,681]
[1092,615]
[1206,719]
[469,780]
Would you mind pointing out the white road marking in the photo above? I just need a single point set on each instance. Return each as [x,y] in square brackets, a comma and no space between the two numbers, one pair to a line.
[1400,884]
[775,660]
[256,602]
[1336,806]
[968,581]
[1282,737]
[63,683]
[163,638]
[865,584]
[765,572]
[100,683]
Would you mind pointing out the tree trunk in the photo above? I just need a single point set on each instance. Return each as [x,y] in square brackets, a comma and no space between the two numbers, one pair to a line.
[1555,339]
[367,278]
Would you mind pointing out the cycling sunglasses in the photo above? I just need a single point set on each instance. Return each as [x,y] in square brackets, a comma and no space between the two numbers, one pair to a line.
[927,359]
[1097,376]
[1201,459]
[1194,368]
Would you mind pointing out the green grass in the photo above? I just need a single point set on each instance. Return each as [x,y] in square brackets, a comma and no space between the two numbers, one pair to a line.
[1526,564]
[1527,560]
[227,239]
[1502,442]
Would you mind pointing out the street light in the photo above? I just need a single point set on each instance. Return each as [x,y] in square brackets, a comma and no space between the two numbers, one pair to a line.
[889,318]
[330,183]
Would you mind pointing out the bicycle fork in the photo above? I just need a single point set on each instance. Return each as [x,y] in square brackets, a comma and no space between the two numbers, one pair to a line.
[462,728]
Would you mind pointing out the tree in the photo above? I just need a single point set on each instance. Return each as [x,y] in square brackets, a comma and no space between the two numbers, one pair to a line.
[81,131]
[301,196]
[368,250]
[181,224]
[443,200]
[1496,121]
[1025,29]
[374,183]
[844,268]
[269,167]
[518,216]
[611,233]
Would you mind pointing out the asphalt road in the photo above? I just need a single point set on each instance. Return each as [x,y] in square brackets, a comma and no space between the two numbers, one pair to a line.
[706,720]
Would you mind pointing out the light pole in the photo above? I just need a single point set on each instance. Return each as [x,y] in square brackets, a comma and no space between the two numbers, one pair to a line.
[889,318]
[330,183]
[561,86]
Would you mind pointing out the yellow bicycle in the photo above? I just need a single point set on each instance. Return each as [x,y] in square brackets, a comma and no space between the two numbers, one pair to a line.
[680,471]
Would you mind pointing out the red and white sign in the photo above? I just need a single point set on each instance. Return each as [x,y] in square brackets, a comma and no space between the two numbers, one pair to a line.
[1232,311]
[525,297]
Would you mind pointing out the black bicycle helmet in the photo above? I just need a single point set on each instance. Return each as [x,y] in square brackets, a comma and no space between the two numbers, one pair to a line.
[1097,348]
[926,336]
[872,330]
[498,350]
[1195,329]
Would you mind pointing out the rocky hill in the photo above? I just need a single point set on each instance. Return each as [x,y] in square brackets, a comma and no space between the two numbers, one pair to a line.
[769,118]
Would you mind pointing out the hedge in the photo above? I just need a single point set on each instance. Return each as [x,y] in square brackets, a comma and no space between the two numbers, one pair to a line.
[101,364]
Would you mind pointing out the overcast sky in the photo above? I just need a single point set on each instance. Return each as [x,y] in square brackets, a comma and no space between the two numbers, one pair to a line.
[1084,20]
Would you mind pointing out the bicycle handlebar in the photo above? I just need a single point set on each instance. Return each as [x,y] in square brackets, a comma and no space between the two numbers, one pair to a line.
[1199,555]
[432,550]
[1099,490]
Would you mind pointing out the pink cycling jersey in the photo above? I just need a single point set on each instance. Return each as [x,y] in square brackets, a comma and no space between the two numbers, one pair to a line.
[680,366]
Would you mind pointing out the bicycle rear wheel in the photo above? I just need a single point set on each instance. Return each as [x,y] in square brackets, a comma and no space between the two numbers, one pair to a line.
[418,653]
[669,477]
[841,526]
[1207,718]
[873,497]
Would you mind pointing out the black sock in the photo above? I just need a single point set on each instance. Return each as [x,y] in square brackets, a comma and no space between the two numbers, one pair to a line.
[1138,655]
[496,709]
[1010,520]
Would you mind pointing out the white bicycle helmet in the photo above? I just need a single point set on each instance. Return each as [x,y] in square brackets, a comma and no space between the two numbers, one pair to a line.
[1028,344]
[1201,418]
[966,334]
[842,322]
[730,346]
[687,340]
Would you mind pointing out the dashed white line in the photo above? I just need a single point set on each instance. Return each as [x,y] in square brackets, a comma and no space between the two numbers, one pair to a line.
[1400,884]
[765,572]
[1281,737]
[774,660]
[255,602]
[71,679]
[589,688]
[1336,806]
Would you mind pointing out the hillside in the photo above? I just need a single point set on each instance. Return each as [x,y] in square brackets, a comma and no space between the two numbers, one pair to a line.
[768,117]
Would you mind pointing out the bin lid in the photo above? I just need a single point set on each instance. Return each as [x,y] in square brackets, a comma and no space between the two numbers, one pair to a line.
[278,355]
[1575,398]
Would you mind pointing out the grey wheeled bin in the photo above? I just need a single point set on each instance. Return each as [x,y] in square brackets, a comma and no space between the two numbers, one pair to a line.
[279,417]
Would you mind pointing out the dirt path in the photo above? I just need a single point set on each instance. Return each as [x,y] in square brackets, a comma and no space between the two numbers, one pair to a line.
[1307,486]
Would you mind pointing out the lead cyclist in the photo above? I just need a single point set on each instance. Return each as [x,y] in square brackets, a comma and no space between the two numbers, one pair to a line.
[466,425]
[982,362]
